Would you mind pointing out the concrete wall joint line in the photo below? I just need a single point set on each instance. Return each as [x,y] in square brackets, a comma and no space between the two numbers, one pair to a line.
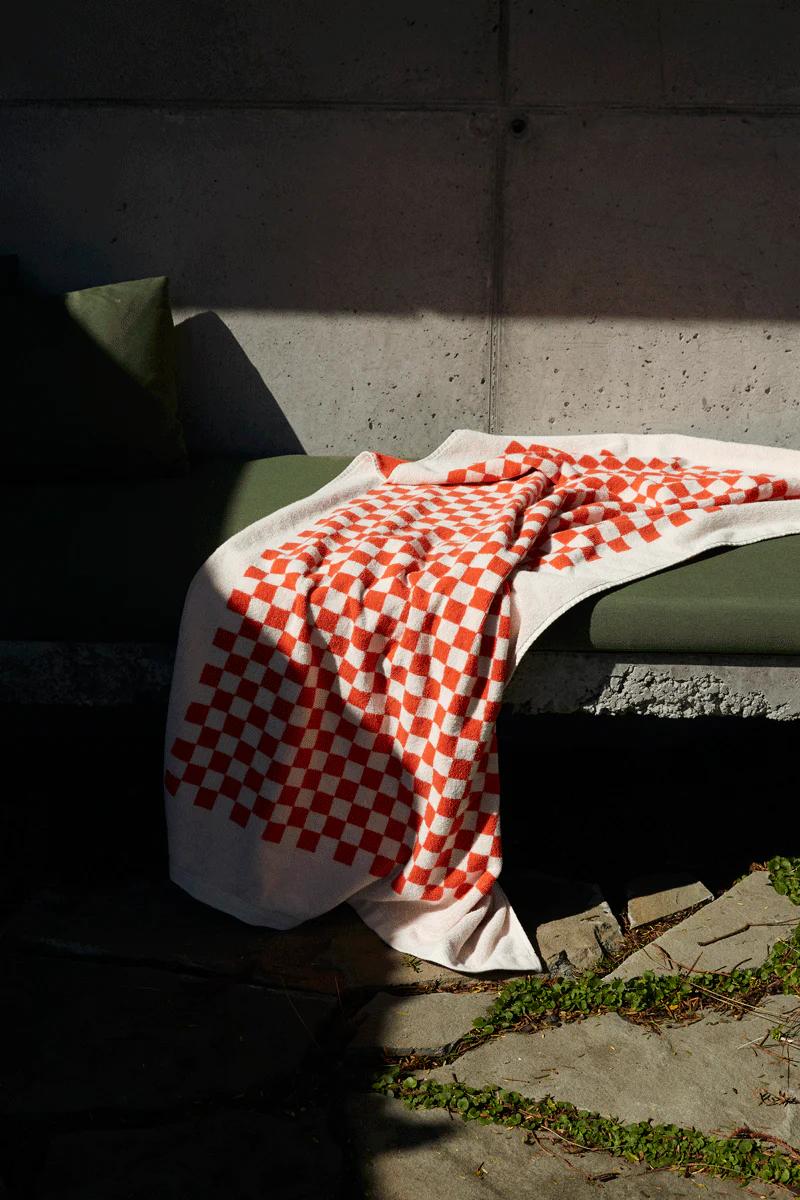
[497,233]
[660,40]
[502,109]
[497,238]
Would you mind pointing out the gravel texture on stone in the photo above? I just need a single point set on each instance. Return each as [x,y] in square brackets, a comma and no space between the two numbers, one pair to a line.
[672,686]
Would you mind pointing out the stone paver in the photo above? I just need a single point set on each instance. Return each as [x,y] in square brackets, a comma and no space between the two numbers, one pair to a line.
[402,1154]
[738,929]
[403,1024]
[654,897]
[584,937]
[692,1075]
[159,923]
[565,916]
[241,1155]
[77,1035]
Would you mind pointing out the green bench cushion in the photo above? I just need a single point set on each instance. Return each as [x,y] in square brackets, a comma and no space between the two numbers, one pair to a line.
[744,600]
[101,562]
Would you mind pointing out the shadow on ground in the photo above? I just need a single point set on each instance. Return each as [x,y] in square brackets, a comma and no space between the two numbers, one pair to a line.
[151,1046]
[609,798]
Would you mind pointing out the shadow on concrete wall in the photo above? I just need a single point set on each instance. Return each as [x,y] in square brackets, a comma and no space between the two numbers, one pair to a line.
[352,252]
[357,212]
[653,216]
[214,372]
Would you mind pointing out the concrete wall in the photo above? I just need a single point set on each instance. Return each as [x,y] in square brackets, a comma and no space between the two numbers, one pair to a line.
[386,220]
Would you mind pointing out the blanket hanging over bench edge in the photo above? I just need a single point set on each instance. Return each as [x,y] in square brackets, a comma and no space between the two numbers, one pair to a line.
[341,664]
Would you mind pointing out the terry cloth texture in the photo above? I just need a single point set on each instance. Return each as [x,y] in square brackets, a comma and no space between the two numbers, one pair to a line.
[341,663]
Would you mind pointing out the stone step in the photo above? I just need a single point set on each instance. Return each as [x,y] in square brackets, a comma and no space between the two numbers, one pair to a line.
[656,897]
[422,1024]
[702,1075]
[401,1154]
[156,922]
[81,1035]
[564,917]
[738,929]
[236,1154]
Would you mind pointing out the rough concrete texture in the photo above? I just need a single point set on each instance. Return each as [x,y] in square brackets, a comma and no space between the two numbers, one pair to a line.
[682,316]
[651,54]
[743,54]
[402,50]
[564,916]
[545,681]
[403,1024]
[156,922]
[657,685]
[242,1154]
[738,929]
[403,1154]
[81,1035]
[324,194]
[654,897]
[584,53]
[346,255]
[696,1075]
[615,52]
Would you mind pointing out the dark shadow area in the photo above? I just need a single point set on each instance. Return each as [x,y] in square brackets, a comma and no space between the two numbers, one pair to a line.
[82,805]
[91,385]
[226,408]
[287,211]
[125,553]
[606,799]
[688,215]
[584,798]
[414,51]
[656,216]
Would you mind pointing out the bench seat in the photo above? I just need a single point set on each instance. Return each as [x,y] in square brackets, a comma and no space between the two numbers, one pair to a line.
[111,563]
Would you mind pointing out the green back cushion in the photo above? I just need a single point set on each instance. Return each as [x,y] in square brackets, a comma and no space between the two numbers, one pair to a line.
[91,384]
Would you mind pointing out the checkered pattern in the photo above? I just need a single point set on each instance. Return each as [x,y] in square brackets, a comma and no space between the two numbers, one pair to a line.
[347,705]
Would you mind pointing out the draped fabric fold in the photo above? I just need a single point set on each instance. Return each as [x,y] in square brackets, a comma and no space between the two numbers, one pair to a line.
[341,666]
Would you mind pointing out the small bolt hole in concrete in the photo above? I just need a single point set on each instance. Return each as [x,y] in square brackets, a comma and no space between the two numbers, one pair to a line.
[518,126]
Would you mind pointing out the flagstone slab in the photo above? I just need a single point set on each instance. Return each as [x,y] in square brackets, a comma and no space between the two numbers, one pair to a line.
[425,1024]
[158,923]
[738,929]
[564,916]
[584,937]
[700,1075]
[654,897]
[399,1154]
[81,1035]
[239,1154]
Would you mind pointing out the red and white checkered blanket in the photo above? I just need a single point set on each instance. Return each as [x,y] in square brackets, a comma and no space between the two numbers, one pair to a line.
[341,666]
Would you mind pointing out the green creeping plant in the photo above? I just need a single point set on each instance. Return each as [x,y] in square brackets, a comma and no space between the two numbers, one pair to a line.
[532,1001]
